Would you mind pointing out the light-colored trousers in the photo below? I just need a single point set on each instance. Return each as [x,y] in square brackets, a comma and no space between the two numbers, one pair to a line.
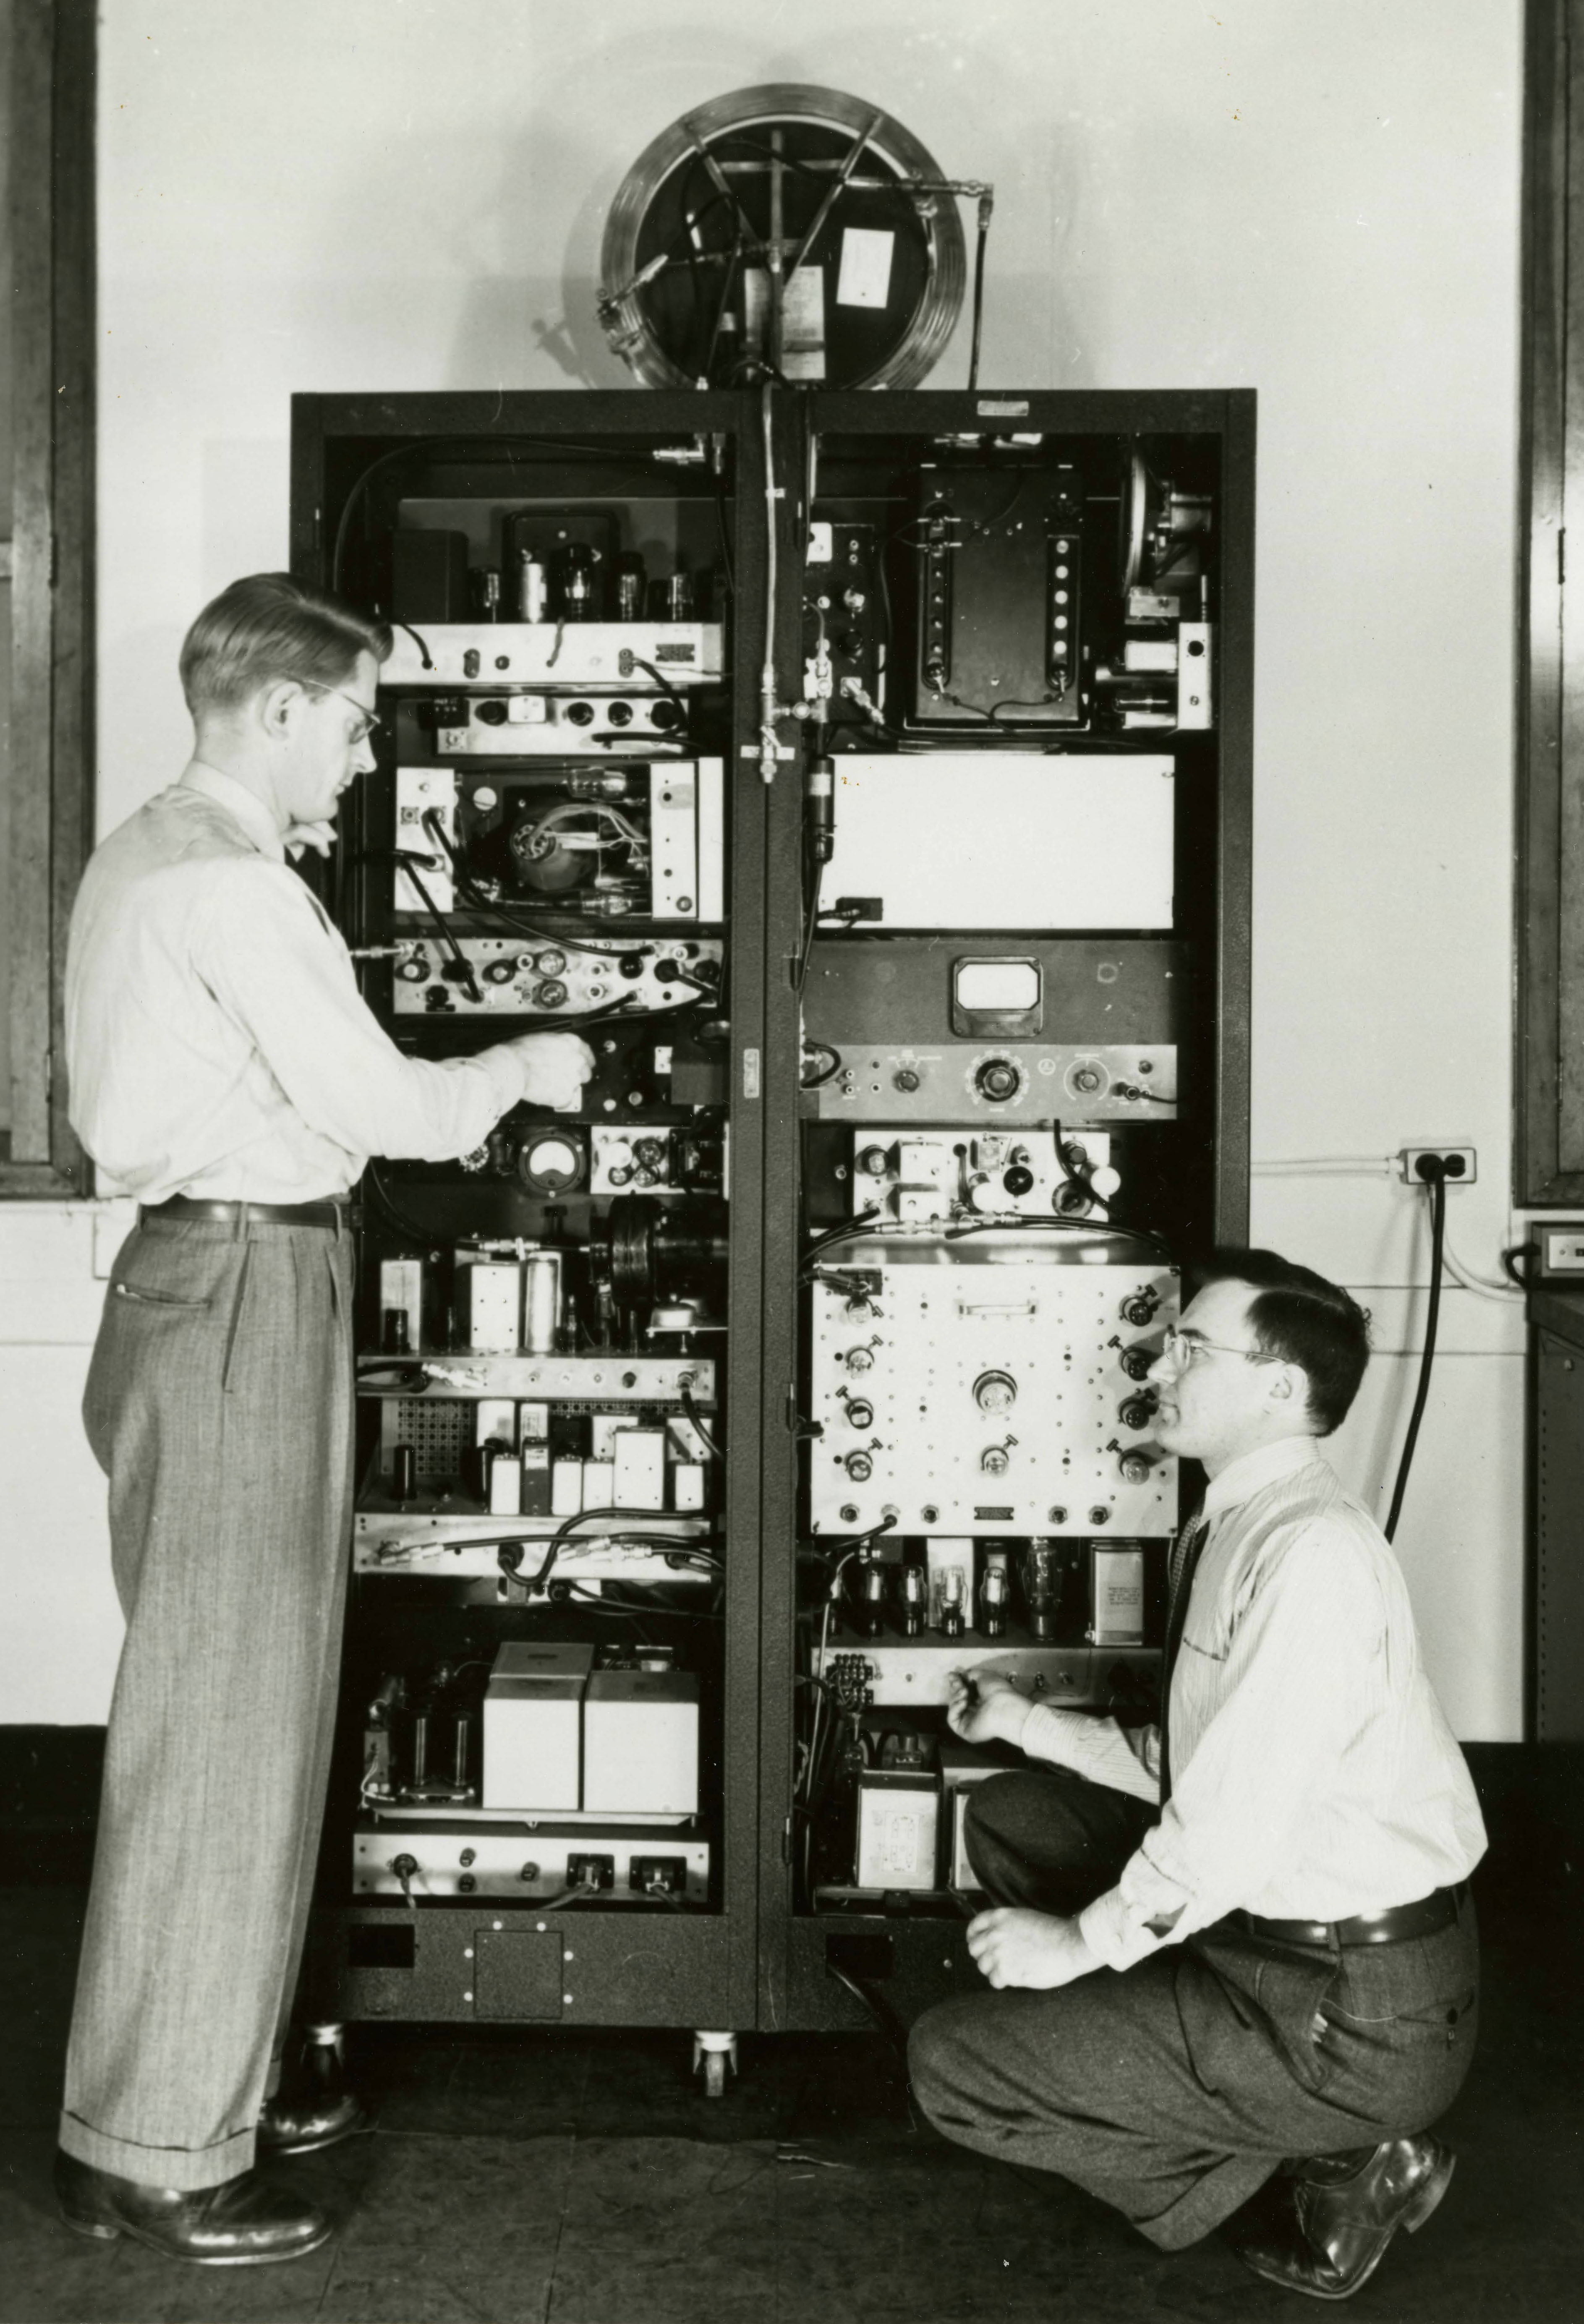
[219,1404]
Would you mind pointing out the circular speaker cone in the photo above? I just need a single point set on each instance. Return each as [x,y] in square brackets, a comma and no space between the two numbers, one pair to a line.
[872,265]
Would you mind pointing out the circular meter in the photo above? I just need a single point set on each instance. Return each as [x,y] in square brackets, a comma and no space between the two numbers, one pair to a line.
[686,244]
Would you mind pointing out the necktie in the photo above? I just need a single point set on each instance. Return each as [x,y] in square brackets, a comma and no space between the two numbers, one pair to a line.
[1186,1551]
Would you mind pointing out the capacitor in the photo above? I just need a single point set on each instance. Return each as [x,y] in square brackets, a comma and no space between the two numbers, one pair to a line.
[404,1473]
[541,1302]
[532,587]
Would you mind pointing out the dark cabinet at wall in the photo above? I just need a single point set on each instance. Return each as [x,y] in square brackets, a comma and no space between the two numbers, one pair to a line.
[1557,1644]
[866,779]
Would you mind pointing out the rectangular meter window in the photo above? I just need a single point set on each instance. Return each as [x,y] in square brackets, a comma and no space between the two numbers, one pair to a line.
[996,996]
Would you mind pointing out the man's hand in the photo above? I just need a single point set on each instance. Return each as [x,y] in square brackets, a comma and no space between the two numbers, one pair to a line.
[320,837]
[986,1708]
[1013,1946]
[555,1067]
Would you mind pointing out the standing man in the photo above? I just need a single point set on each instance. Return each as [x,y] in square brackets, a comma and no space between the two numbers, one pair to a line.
[1244,1935]
[225,1070]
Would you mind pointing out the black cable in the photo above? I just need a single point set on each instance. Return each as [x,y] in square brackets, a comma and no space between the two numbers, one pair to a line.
[635,1606]
[858,1224]
[815,876]
[1435,1179]
[973,377]
[817,1081]
[1518,1273]
[695,1421]
[661,680]
[470,984]
[474,902]
[402,1224]
[879,2009]
[1010,1222]
[423,650]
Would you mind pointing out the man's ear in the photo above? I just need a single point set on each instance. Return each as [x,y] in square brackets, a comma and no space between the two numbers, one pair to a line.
[277,709]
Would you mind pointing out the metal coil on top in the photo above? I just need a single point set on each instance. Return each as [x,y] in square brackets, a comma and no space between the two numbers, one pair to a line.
[796,167]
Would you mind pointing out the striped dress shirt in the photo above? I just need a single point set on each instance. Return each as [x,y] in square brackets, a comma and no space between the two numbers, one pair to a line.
[1314,1776]
[216,1043]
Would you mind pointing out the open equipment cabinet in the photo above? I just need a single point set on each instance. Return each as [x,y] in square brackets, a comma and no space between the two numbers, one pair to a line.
[867,777]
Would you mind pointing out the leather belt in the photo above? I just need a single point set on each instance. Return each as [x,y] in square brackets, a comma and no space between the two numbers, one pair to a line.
[331,1216]
[1422,1918]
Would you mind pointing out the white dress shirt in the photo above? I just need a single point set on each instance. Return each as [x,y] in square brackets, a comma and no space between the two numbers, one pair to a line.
[216,1043]
[1314,1776]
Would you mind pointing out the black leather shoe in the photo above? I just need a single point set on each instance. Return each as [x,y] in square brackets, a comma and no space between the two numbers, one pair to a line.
[1331,2225]
[241,2223]
[302,2126]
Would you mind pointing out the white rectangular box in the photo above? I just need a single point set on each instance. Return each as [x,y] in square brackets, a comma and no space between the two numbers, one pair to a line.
[1008,840]
[641,1743]
[533,1727]
[492,1301]
[495,1421]
[598,1484]
[899,1823]
[1117,1588]
[505,1485]
[566,1489]
[687,1485]
[640,1468]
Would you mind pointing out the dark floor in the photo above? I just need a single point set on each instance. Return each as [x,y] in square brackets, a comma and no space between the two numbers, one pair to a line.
[582,2178]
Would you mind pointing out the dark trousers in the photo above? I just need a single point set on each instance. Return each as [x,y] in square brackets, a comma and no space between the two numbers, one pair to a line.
[218,1403]
[1175,2089]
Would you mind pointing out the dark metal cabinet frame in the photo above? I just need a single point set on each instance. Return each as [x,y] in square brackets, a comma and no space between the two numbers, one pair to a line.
[756,1963]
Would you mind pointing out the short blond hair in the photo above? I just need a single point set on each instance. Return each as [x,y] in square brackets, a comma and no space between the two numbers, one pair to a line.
[267,628]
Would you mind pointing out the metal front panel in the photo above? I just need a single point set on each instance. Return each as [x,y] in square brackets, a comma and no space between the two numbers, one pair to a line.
[489,656]
[888,1082]
[1063,841]
[946,1452]
[530,1864]
[572,982]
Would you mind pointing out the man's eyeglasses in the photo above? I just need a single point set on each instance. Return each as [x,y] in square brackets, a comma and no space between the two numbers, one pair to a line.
[372,724]
[1185,1348]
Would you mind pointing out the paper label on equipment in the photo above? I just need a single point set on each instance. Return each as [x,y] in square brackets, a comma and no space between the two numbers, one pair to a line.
[864,279]
[803,318]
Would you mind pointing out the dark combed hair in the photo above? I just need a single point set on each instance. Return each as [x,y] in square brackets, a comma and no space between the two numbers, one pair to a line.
[269,627]
[1300,1318]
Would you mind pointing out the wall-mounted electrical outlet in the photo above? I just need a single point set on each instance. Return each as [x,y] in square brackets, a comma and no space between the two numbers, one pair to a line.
[1458,1164]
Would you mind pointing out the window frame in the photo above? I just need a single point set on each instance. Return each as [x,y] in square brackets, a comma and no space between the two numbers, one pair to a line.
[48,562]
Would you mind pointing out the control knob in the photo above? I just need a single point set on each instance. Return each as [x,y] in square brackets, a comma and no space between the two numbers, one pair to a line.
[997,1079]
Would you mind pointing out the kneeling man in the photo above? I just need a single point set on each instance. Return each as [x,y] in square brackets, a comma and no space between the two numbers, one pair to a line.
[1244,1936]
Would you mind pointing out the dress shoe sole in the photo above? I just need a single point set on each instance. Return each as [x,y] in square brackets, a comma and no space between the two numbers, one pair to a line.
[98,2231]
[267,2145]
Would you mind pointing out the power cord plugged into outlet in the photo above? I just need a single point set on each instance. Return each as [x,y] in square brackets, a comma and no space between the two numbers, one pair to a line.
[1455,1166]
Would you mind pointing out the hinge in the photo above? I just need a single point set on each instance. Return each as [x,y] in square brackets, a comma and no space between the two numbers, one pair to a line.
[791,1412]
[786,1842]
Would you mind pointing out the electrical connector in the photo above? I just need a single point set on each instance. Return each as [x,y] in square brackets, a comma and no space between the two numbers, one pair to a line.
[1455,1165]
